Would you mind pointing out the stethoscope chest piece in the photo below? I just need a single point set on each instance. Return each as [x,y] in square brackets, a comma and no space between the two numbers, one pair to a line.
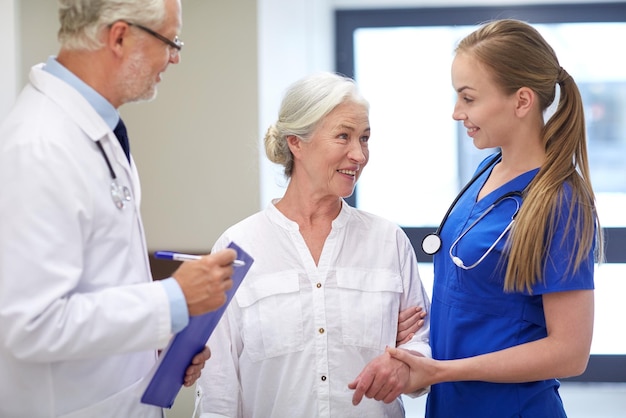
[120,195]
[431,243]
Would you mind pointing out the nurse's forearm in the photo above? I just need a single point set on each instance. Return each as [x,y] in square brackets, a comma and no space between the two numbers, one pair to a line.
[529,362]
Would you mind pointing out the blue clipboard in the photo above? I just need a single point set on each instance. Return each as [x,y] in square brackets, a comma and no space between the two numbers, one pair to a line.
[169,372]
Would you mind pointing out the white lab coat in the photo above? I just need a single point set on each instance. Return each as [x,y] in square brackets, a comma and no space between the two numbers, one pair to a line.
[80,317]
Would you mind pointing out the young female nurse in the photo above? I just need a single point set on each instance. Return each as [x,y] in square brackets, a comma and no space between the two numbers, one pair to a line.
[512,306]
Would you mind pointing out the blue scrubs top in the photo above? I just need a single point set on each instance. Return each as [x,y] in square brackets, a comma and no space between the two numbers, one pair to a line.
[472,315]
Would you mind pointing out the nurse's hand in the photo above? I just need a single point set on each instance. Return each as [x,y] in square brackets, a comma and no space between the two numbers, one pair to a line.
[383,379]
[197,364]
[204,282]
[410,321]
[422,370]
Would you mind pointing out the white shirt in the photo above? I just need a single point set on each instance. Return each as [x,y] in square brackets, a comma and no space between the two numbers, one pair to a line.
[295,333]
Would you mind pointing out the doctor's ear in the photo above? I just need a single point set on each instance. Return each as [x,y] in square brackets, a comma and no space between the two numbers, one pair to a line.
[117,36]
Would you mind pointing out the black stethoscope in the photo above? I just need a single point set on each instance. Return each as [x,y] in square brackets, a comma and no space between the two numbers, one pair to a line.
[119,194]
[432,242]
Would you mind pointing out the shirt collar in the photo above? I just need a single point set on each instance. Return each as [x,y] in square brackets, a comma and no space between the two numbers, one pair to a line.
[278,217]
[99,103]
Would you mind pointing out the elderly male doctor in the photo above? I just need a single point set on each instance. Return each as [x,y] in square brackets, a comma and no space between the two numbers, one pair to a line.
[80,317]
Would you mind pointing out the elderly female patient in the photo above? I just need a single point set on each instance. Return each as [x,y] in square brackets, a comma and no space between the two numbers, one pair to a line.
[324,296]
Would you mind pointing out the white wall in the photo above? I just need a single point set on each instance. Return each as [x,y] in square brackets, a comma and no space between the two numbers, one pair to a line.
[295,38]
[196,144]
[8,69]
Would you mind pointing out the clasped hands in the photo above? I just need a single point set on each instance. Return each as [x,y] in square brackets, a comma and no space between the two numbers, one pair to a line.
[394,372]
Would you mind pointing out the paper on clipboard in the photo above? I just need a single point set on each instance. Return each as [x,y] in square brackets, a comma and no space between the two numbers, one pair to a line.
[169,372]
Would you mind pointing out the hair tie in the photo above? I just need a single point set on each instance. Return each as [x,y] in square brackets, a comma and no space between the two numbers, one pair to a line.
[562,75]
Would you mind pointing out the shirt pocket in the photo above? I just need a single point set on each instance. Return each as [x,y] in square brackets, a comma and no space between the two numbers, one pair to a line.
[271,312]
[370,303]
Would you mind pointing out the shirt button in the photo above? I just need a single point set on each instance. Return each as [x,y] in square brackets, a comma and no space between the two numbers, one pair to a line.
[323,378]
[318,285]
[321,330]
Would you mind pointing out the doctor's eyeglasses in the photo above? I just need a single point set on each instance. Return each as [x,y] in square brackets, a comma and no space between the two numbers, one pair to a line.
[174,46]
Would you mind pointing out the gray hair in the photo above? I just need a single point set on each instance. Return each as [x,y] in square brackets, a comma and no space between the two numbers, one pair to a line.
[83,20]
[305,103]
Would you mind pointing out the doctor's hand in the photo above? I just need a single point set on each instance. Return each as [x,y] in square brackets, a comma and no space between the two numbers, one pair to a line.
[195,368]
[410,321]
[384,379]
[204,282]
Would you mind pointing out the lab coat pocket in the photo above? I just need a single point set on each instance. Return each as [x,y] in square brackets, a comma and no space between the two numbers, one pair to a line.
[370,303]
[272,315]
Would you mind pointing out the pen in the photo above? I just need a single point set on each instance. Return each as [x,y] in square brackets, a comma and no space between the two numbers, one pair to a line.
[170,255]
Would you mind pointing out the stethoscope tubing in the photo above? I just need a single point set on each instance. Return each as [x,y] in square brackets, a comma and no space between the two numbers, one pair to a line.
[431,243]
[106,159]
[457,260]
